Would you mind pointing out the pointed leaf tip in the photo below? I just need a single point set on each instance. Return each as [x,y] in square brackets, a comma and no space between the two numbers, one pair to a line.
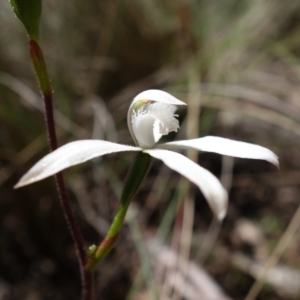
[29,13]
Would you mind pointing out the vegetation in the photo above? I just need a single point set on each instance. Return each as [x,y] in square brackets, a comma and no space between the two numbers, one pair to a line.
[235,62]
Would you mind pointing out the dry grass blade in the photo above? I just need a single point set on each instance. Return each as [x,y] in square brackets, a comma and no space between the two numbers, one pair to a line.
[248,94]
[282,245]
[285,280]
[187,278]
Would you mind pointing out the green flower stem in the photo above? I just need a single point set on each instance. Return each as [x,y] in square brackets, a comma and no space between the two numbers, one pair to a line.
[138,172]
[46,90]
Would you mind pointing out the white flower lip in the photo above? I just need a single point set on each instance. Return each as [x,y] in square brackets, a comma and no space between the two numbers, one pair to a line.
[152,120]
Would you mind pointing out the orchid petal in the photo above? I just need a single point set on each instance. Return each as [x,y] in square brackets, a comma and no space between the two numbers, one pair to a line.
[158,96]
[69,155]
[225,147]
[210,186]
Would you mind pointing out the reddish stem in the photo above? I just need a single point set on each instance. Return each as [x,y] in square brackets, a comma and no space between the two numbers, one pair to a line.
[45,86]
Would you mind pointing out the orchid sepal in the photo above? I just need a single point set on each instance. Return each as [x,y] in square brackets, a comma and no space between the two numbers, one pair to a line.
[224,146]
[210,186]
[69,155]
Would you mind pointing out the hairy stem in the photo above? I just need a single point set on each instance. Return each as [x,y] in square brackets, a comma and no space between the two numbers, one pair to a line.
[46,90]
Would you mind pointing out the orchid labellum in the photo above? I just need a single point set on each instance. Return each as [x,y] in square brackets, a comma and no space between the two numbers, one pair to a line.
[152,115]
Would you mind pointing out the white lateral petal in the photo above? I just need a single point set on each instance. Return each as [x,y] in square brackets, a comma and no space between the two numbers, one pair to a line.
[210,186]
[69,155]
[158,96]
[225,147]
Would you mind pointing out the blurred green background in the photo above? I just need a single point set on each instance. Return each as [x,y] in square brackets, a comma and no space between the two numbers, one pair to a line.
[236,62]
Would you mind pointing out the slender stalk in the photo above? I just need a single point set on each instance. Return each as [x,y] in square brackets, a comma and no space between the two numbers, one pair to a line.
[46,90]
[281,246]
[138,172]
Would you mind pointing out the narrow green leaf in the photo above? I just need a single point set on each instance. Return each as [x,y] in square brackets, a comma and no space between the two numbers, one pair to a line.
[29,12]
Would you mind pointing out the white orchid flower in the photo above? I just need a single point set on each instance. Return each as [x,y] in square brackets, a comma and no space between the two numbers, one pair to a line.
[150,116]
